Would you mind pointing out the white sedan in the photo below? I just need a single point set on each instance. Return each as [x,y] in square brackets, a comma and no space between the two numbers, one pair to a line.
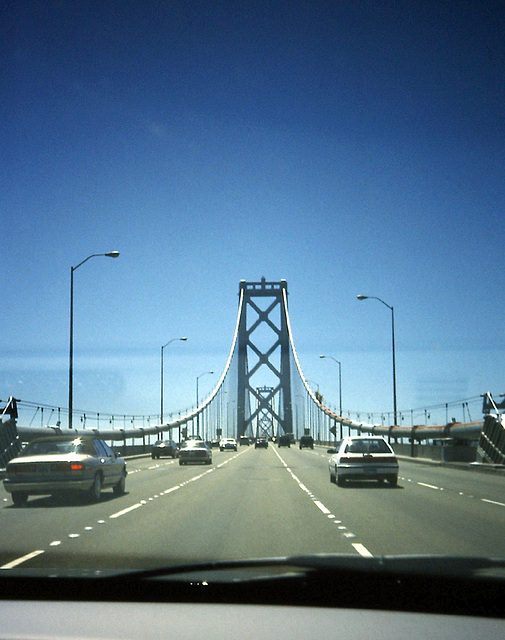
[228,443]
[363,458]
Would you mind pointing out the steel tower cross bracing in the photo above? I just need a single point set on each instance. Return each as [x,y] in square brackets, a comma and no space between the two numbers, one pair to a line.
[273,294]
[265,423]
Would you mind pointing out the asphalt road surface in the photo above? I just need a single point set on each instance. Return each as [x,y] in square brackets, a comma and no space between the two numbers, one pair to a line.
[256,503]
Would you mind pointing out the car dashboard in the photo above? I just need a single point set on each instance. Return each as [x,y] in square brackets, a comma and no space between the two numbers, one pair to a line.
[255,600]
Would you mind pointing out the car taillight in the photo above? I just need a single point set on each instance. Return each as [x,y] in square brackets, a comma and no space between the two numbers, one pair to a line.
[75,466]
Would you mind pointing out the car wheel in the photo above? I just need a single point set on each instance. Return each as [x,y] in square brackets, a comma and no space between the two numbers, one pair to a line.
[393,481]
[19,498]
[339,480]
[333,480]
[119,488]
[96,488]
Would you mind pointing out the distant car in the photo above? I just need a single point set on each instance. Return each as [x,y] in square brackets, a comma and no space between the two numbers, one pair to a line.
[284,440]
[306,441]
[228,443]
[244,440]
[61,464]
[195,451]
[164,448]
[215,443]
[261,443]
[363,458]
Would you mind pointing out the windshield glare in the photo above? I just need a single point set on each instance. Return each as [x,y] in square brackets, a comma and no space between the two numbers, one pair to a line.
[251,231]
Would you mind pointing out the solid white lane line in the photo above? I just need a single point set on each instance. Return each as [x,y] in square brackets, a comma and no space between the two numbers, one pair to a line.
[28,556]
[127,510]
[500,504]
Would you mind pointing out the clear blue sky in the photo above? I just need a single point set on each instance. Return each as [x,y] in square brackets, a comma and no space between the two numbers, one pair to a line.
[347,147]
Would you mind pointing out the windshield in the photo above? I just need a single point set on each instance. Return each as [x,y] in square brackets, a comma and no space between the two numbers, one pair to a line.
[230,223]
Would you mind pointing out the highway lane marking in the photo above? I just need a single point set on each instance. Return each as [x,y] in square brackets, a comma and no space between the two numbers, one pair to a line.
[321,506]
[363,551]
[460,493]
[177,486]
[171,489]
[127,510]
[429,486]
[18,561]
[360,548]
[133,507]
[500,504]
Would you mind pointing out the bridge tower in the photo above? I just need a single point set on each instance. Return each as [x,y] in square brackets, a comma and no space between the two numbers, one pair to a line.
[263,314]
[265,423]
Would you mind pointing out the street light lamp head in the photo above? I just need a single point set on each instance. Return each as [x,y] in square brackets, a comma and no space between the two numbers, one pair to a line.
[184,339]
[322,356]
[362,297]
[112,254]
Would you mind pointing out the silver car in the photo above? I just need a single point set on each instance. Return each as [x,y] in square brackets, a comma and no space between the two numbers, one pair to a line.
[59,464]
[196,451]
[363,458]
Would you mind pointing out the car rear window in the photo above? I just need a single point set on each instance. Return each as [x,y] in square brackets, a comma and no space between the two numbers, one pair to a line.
[45,447]
[368,446]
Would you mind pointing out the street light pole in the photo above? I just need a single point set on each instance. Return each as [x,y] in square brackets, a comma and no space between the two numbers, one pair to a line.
[393,349]
[339,391]
[339,379]
[110,254]
[161,382]
[198,413]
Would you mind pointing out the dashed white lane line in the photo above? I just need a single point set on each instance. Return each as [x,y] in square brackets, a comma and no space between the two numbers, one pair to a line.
[363,551]
[360,548]
[500,504]
[177,486]
[460,493]
[171,489]
[127,510]
[321,506]
[429,486]
[17,561]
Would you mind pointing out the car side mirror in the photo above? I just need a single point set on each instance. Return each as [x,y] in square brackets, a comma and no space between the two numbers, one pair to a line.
[331,450]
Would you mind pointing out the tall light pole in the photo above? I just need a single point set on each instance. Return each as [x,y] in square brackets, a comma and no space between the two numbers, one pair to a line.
[161,383]
[393,345]
[111,254]
[198,414]
[339,378]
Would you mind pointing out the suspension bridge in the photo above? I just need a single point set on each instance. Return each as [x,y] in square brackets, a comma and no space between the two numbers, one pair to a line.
[262,391]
